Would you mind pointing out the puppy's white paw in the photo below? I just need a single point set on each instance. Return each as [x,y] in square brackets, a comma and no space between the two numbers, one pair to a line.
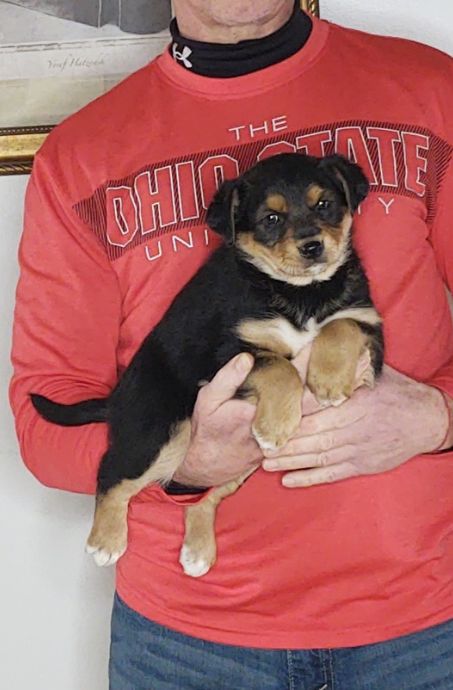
[263,443]
[102,557]
[332,402]
[193,564]
[339,401]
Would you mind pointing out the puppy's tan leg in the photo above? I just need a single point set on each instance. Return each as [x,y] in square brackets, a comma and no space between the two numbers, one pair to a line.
[108,537]
[333,361]
[275,386]
[199,551]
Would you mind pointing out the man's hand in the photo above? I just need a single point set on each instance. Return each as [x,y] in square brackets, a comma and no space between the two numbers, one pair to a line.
[222,446]
[374,431]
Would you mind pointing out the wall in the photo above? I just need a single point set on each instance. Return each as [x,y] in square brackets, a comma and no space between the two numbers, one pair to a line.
[427,21]
[54,602]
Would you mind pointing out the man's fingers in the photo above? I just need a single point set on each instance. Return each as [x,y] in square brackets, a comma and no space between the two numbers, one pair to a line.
[308,460]
[225,383]
[315,444]
[322,430]
[331,418]
[322,475]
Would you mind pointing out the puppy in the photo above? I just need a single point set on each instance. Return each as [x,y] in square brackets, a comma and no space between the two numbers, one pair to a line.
[286,275]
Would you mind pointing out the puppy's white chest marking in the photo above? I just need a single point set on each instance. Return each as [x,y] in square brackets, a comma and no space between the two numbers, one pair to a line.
[279,335]
[293,338]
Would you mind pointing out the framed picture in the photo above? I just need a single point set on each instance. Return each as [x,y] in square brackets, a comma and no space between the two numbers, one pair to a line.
[57,55]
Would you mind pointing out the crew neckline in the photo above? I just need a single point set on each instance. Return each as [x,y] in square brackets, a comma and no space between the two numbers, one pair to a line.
[248,84]
[227,60]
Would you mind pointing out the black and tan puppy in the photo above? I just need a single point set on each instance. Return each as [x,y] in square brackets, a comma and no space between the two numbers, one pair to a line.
[286,275]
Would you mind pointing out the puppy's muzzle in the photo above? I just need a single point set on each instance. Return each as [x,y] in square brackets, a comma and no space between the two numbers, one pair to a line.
[312,249]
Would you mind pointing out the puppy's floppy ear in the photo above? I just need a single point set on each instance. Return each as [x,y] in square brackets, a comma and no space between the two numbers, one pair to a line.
[351,177]
[223,211]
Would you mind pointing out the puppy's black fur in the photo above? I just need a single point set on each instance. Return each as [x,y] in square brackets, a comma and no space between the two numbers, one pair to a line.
[197,335]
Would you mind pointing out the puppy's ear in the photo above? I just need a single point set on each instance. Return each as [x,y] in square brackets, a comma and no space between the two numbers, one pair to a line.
[351,177]
[223,211]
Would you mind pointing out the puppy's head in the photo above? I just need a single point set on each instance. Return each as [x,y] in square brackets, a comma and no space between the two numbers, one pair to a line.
[291,215]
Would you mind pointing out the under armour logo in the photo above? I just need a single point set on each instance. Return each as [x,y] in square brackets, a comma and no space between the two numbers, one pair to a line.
[182,56]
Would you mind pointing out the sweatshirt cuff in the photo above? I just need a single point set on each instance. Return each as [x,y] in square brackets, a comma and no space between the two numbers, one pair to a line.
[448,407]
[443,381]
[177,489]
[180,499]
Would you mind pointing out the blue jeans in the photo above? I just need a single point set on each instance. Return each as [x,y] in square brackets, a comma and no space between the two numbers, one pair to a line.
[147,656]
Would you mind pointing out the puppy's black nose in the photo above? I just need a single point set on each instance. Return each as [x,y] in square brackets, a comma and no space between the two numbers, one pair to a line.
[312,250]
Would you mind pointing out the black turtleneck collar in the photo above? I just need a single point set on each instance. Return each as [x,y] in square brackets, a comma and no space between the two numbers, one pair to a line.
[220,60]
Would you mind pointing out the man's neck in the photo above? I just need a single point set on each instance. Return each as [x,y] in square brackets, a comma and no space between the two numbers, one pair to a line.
[226,60]
[200,27]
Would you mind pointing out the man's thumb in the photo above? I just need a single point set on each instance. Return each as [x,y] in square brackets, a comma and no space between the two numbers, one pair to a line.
[226,382]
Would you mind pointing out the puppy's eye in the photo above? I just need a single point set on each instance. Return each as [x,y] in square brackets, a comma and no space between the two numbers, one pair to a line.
[272,219]
[323,204]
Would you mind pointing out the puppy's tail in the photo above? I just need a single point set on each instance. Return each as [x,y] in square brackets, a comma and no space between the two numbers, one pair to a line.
[85,412]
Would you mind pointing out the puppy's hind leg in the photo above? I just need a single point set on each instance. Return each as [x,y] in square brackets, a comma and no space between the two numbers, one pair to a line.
[199,550]
[107,541]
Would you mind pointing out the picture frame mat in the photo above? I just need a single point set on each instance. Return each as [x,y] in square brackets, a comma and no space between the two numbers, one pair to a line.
[19,143]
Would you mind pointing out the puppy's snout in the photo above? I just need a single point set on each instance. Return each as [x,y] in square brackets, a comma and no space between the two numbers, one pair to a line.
[312,249]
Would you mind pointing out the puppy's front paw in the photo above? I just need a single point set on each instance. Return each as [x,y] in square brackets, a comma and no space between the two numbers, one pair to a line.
[274,426]
[331,388]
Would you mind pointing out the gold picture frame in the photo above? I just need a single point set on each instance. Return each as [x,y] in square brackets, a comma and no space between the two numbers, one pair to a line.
[18,145]
[311,6]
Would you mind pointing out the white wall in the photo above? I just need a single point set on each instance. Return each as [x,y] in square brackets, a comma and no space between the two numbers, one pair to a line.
[54,604]
[427,21]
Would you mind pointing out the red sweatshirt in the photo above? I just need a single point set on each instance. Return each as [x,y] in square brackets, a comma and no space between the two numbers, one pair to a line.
[115,227]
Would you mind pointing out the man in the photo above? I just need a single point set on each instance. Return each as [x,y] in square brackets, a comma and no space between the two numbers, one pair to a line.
[346,584]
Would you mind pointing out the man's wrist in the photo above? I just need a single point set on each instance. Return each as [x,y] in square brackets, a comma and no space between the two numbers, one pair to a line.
[183,483]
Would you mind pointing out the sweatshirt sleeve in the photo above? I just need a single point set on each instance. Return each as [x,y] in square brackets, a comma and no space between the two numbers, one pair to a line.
[65,334]
[441,239]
